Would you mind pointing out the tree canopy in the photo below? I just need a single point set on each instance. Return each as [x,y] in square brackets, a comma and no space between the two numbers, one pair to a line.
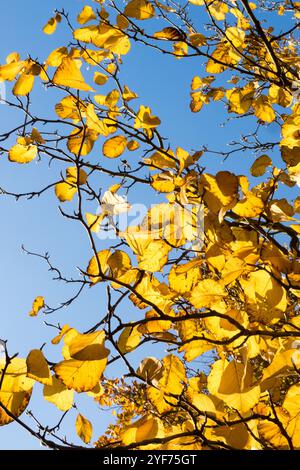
[210,276]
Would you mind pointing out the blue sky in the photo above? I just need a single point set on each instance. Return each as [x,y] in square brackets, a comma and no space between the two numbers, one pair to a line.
[163,84]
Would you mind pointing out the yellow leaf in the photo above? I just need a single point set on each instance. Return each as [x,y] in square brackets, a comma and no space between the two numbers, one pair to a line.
[139,9]
[146,428]
[184,277]
[232,383]
[260,165]
[163,182]
[69,108]
[296,228]
[174,376]
[24,85]
[145,120]
[240,99]
[236,36]
[281,365]
[133,145]
[36,136]
[15,377]
[290,133]
[128,94]
[94,221]
[164,395]
[120,266]
[291,404]
[69,75]
[122,22]
[22,153]
[162,160]
[84,428]
[66,190]
[220,191]
[150,369]
[197,39]
[250,206]
[117,42]
[169,34]
[112,99]
[180,49]
[82,141]
[56,57]
[129,339]
[63,331]
[218,9]
[38,304]
[16,389]
[50,26]
[152,253]
[263,109]
[188,330]
[280,210]
[207,293]
[16,403]
[237,436]
[114,147]
[232,270]
[266,298]
[98,266]
[202,402]
[100,78]
[87,14]
[94,123]
[88,346]
[272,433]
[58,394]
[280,95]
[37,367]
[82,376]
[11,70]
[85,360]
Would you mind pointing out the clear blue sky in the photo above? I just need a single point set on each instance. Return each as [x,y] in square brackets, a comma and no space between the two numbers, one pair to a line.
[162,83]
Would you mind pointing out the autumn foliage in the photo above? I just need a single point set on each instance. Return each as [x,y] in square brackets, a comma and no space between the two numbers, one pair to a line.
[212,273]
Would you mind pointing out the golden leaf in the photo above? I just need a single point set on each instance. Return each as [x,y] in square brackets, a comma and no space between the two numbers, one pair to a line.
[87,14]
[139,9]
[145,120]
[58,394]
[84,428]
[232,383]
[37,367]
[260,165]
[69,75]
[38,304]
[22,153]
[114,147]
